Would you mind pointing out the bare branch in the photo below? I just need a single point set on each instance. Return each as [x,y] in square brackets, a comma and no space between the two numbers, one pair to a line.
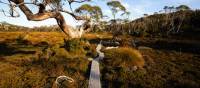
[75,16]
[80,1]
[46,14]
[70,6]
[12,10]
[4,12]
[4,2]
[17,5]
[74,1]
[37,4]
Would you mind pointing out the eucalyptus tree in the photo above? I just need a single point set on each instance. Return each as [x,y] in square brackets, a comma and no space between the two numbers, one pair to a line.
[94,12]
[145,15]
[171,9]
[87,10]
[165,8]
[116,7]
[155,13]
[49,9]
[183,9]
[126,15]
[171,19]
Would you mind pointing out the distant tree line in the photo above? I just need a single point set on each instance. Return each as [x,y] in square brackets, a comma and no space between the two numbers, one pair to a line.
[52,28]
[6,27]
[174,20]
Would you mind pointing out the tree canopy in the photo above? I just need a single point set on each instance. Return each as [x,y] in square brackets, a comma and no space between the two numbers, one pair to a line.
[115,7]
[94,12]
[183,7]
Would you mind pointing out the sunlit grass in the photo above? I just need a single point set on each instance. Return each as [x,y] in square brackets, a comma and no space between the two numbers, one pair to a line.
[36,59]
[124,56]
[103,35]
[34,37]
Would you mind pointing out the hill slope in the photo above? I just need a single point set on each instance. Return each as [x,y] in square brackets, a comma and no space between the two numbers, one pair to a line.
[181,23]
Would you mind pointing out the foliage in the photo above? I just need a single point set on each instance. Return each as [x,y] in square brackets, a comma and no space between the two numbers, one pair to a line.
[182,7]
[93,11]
[115,7]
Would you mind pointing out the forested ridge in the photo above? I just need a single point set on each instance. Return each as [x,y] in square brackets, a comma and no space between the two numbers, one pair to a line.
[184,23]
[164,25]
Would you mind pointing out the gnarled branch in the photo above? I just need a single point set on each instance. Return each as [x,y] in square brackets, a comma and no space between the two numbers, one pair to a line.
[43,14]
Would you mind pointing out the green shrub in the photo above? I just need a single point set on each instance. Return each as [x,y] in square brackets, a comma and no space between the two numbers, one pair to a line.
[72,45]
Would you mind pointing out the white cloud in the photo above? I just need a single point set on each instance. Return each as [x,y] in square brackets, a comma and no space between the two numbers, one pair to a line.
[137,10]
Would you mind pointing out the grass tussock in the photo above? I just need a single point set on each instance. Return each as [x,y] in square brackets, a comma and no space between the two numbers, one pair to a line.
[163,69]
[124,56]
[120,66]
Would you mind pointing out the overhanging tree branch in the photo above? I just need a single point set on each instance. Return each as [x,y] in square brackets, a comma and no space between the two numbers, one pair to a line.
[43,13]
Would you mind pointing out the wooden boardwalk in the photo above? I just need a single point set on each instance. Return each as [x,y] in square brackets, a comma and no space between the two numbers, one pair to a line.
[94,81]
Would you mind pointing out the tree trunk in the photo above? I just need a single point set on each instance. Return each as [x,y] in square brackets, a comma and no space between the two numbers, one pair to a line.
[42,15]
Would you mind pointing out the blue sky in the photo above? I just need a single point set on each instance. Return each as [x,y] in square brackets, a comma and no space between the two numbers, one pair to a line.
[136,7]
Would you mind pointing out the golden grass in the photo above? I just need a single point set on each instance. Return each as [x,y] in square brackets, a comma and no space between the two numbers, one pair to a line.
[51,38]
[34,37]
[30,71]
[4,36]
[124,56]
[104,35]
[22,68]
